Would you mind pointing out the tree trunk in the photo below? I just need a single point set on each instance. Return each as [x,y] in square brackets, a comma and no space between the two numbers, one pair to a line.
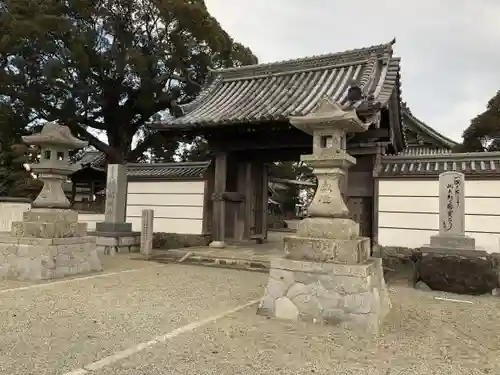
[119,148]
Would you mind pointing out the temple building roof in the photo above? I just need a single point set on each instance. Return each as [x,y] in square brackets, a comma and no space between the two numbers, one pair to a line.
[167,171]
[275,91]
[474,164]
[421,138]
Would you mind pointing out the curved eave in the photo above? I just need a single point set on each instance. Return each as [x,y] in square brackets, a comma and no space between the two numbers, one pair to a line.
[276,97]
[426,129]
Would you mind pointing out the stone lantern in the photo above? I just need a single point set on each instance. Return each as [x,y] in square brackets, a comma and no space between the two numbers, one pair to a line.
[55,142]
[49,242]
[327,275]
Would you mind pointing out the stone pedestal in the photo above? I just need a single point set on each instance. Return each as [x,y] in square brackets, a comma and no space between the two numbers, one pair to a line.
[451,262]
[327,275]
[115,235]
[352,296]
[48,243]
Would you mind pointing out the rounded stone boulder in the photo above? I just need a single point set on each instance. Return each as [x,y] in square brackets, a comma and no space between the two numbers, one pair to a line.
[457,274]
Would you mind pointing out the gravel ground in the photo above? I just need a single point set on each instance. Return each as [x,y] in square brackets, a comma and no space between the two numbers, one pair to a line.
[58,328]
[421,336]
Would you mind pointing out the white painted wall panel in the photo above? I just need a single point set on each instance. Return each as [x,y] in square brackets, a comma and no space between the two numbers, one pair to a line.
[177,206]
[181,226]
[168,212]
[11,211]
[409,188]
[165,199]
[166,187]
[90,219]
[408,212]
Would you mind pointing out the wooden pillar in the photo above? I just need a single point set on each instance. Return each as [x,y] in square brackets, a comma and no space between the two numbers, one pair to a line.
[249,201]
[240,232]
[92,191]
[207,201]
[264,202]
[260,193]
[219,205]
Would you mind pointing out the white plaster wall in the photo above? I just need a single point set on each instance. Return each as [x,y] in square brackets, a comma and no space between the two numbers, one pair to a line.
[91,219]
[177,205]
[408,212]
[11,211]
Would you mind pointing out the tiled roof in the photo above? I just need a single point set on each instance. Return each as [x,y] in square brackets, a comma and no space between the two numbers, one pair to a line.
[420,128]
[96,159]
[424,151]
[484,164]
[275,91]
[167,171]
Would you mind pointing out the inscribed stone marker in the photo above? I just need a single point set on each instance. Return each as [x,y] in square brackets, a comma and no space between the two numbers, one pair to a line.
[451,203]
[116,193]
[147,232]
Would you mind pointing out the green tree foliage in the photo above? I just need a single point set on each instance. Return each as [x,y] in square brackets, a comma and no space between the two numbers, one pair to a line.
[483,134]
[109,65]
[15,179]
[290,171]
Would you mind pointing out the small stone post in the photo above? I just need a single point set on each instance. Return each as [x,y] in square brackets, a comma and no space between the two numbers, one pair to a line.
[327,275]
[147,232]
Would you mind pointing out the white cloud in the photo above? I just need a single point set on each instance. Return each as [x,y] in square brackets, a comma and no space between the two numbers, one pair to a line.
[449,48]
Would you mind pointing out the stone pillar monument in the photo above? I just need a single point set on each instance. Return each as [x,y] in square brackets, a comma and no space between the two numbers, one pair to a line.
[451,262]
[49,242]
[114,234]
[327,275]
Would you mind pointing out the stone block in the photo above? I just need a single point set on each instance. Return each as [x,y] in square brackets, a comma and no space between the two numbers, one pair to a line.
[353,296]
[40,260]
[113,227]
[129,240]
[106,241]
[360,270]
[48,229]
[333,228]
[327,250]
[453,242]
[50,216]
[112,243]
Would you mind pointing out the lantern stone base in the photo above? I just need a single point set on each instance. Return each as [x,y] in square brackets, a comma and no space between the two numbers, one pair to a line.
[30,258]
[46,244]
[353,296]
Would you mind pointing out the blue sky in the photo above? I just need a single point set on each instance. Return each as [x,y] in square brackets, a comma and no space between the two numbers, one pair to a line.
[450,49]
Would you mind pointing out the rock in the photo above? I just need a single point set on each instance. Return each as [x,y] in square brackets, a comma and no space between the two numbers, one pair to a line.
[457,274]
[422,286]
[285,309]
